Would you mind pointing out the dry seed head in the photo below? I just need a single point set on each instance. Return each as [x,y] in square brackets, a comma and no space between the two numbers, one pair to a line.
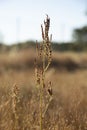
[42,32]
[38,76]
[47,25]
[15,90]
[45,47]
[41,49]
[50,92]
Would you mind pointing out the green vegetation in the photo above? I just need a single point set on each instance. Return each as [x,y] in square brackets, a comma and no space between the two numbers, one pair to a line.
[80,35]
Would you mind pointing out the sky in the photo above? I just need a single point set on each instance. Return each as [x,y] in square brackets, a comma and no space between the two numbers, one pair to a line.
[20,20]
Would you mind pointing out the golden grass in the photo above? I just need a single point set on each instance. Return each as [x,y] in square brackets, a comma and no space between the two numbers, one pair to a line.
[24,60]
[24,107]
[67,111]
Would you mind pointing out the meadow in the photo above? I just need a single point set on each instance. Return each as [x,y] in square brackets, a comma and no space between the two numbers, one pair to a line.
[41,89]
[19,99]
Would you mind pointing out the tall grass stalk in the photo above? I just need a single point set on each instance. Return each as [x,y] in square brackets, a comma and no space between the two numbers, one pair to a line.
[44,57]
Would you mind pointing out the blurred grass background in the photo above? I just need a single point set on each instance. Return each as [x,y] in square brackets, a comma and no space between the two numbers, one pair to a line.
[68,74]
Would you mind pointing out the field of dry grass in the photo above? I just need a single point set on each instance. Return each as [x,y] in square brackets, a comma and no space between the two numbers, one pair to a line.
[68,108]
[19,60]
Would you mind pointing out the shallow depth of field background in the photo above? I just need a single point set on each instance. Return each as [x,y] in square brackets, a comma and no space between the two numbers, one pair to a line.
[67,72]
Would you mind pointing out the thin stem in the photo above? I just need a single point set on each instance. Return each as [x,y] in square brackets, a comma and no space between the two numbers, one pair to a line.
[42,85]
[41,108]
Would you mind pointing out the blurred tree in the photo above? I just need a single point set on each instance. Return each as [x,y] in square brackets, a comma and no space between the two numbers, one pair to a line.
[80,35]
